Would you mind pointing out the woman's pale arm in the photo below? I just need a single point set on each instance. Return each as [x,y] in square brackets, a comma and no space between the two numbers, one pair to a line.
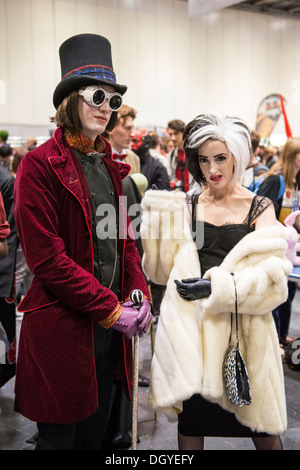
[266,218]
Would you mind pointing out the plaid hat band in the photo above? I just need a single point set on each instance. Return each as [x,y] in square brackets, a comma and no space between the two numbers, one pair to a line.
[98,71]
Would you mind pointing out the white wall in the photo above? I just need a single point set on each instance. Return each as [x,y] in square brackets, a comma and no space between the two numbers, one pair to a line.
[174,66]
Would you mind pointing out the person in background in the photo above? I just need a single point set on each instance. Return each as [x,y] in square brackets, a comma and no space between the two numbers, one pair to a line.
[3,137]
[266,153]
[23,274]
[6,156]
[4,233]
[7,277]
[164,148]
[170,145]
[31,143]
[18,154]
[177,169]
[4,230]
[285,171]
[120,138]
[155,149]
[155,172]
[288,165]
[258,167]
[255,168]
[79,320]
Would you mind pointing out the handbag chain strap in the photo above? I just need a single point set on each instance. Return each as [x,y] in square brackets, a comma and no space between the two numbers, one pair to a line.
[236,315]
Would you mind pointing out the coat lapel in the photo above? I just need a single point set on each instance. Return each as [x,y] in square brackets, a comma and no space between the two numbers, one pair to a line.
[70,174]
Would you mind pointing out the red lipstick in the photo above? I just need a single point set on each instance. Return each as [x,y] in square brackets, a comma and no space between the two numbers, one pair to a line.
[216,178]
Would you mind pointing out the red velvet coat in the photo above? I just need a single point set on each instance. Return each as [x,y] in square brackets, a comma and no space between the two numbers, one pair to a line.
[55,379]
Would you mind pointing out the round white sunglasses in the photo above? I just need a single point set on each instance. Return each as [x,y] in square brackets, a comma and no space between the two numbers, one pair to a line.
[96,96]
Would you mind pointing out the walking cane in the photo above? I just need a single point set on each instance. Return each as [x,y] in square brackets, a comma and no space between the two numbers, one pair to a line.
[136,296]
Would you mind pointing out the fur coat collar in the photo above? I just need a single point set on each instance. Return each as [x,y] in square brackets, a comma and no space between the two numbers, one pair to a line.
[192,337]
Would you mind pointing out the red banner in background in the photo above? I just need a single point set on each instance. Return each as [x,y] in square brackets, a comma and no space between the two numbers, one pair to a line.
[286,122]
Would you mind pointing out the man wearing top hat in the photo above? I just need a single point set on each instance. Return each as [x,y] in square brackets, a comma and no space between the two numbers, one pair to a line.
[78,322]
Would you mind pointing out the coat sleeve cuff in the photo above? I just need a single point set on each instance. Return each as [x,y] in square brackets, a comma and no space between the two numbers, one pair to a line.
[4,230]
[112,317]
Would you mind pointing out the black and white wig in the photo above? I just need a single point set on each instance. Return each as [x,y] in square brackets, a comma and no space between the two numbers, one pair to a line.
[216,126]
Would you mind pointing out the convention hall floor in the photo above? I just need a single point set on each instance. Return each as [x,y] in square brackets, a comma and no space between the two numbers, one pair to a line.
[158,434]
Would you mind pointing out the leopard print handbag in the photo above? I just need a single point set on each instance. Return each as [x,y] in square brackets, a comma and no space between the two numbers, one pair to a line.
[235,375]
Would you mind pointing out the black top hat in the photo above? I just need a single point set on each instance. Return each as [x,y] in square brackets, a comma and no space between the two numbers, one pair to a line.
[85,60]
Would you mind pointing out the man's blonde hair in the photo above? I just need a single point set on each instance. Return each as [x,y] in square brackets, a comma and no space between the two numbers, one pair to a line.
[125,112]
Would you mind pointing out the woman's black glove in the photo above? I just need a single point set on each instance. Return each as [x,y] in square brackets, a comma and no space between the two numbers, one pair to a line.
[193,289]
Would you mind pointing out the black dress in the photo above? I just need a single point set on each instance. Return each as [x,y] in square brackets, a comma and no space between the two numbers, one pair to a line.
[199,416]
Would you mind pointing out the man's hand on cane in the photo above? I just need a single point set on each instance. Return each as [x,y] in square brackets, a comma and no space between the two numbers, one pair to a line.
[134,321]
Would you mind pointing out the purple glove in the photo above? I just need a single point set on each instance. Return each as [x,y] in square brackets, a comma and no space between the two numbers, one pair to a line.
[146,317]
[134,321]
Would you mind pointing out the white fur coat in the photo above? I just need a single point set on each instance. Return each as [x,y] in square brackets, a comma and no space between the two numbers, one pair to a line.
[192,337]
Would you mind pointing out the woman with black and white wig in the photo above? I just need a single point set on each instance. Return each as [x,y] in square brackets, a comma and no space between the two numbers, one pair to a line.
[231,243]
